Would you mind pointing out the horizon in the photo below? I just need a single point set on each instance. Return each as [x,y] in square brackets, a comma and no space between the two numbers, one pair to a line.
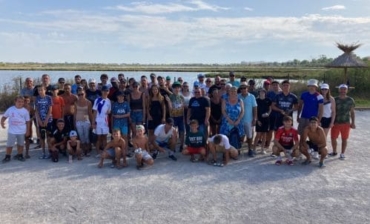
[180,31]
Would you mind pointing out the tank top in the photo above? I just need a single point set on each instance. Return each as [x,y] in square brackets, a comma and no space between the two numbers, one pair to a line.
[216,110]
[327,109]
[156,110]
[82,113]
[136,104]
[186,99]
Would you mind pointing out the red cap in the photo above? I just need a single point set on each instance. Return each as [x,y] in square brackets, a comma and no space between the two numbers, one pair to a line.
[267,82]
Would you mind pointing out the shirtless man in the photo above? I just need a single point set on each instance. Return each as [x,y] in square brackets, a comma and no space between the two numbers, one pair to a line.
[141,146]
[69,106]
[115,150]
[317,141]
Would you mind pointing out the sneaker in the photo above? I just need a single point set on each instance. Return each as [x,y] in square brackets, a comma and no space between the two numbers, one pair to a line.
[97,156]
[321,164]
[250,153]
[278,162]
[155,154]
[6,159]
[342,156]
[43,156]
[181,148]
[172,157]
[306,162]
[333,154]
[315,155]
[21,158]
[48,156]
[289,162]
[273,155]
[263,152]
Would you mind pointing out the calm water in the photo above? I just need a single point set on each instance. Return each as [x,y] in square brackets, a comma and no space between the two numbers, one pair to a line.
[6,77]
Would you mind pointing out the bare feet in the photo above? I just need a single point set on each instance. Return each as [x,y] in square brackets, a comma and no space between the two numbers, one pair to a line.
[70,160]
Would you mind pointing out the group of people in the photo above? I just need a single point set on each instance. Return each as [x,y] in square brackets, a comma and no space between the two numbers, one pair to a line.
[150,116]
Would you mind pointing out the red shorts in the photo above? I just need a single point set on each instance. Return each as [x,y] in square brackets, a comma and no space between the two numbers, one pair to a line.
[342,129]
[193,150]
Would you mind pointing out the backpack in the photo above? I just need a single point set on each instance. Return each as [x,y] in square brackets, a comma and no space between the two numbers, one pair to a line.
[234,138]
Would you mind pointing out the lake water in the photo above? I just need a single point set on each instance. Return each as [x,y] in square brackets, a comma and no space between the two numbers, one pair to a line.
[6,77]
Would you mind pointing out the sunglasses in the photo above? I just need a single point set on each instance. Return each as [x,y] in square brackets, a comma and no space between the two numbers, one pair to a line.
[243,88]
[197,92]
[185,86]
[80,94]
[208,81]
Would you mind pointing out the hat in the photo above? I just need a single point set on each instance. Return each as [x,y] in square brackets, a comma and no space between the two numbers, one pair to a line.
[113,79]
[61,80]
[312,82]
[140,127]
[168,78]
[104,88]
[244,84]
[92,81]
[120,93]
[53,87]
[73,134]
[196,84]
[231,74]
[267,82]
[169,121]
[201,75]
[324,86]
[343,86]
[251,82]
[176,84]
[152,75]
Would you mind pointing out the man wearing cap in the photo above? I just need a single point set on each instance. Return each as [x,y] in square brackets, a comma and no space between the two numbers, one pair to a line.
[168,82]
[100,122]
[164,137]
[310,104]
[266,85]
[75,86]
[176,106]
[344,120]
[250,114]
[232,80]
[316,141]
[92,93]
[201,82]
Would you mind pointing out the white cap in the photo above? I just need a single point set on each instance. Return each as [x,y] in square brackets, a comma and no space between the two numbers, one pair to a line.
[244,84]
[312,82]
[324,86]
[92,81]
[343,86]
[73,134]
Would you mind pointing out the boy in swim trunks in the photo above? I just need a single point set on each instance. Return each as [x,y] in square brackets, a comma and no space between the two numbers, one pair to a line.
[195,142]
[141,146]
[115,150]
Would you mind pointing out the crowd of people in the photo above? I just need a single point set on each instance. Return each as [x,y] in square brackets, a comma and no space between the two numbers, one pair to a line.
[150,116]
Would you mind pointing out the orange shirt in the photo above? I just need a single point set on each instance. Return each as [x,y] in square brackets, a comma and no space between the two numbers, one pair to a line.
[58,104]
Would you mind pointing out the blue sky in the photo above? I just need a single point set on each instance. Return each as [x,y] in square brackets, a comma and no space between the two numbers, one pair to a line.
[179,31]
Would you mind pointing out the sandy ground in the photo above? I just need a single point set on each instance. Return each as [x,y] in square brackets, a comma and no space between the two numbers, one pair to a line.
[250,190]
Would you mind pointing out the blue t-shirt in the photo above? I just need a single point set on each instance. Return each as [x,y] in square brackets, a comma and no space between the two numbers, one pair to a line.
[311,104]
[120,109]
[234,83]
[42,105]
[272,95]
[249,103]
[286,102]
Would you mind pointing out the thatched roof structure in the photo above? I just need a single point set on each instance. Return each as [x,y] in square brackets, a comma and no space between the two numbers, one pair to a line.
[348,59]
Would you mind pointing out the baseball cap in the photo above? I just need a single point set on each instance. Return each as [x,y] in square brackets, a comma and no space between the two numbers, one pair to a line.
[176,84]
[244,84]
[196,84]
[113,79]
[267,82]
[201,76]
[73,134]
[324,86]
[343,86]
[61,80]
[312,82]
[168,78]
[92,81]
[104,88]
[140,127]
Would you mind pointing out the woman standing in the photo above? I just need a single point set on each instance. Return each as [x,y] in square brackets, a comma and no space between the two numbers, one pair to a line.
[82,119]
[156,111]
[136,99]
[216,113]
[232,111]
[328,116]
[187,95]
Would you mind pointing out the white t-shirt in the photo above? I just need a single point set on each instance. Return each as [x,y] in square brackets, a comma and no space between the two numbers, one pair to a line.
[102,106]
[17,118]
[224,141]
[161,135]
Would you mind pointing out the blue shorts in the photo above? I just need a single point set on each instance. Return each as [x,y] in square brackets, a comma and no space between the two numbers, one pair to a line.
[179,123]
[123,129]
[111,152]
[162,144]
[136,117]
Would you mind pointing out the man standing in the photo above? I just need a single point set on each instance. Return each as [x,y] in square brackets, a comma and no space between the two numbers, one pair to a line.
[310,104]
[217,85]
[232,80]
[344,120]
[199,109]
[77,84]
[250,114]
[273,116]
[69,107]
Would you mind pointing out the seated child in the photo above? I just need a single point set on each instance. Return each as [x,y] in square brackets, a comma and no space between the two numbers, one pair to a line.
[115,150]
[195,142]
[74,146]
[141,146]
[58,141]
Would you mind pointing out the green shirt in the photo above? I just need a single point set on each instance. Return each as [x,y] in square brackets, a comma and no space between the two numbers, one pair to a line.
[343,109]
[195,140]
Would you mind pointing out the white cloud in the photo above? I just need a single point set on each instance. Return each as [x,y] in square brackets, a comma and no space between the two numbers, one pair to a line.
[334,7]
[248,9]
[150,8]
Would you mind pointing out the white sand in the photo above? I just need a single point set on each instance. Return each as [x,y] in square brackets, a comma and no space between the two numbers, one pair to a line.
[251,190]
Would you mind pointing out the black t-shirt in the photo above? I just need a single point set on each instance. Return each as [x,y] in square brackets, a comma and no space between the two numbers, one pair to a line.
[92,95]
[60,135]
[198,108]
[210,90]
[286,102]
[263,106]
[48,92]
